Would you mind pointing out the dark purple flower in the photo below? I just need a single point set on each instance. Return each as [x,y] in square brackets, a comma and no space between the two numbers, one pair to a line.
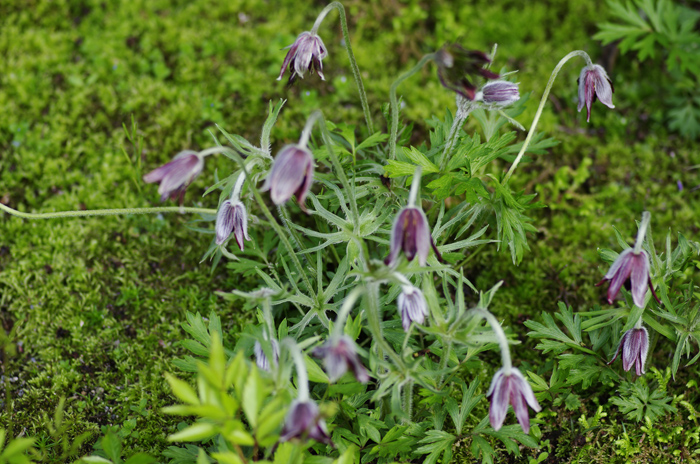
[412,306]
[338,356]
[635,346]
[458,66]
[592,82]
[411,234]
[260,357]
[499,93]
[232,217]
[304,421]
[305,54]
[634,266]
[511,389]
[175,176]
[291,174]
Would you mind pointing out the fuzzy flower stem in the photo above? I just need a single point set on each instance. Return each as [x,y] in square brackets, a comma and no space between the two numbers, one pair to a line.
[236,194]
[443,361]
[107,212]
[415,187]
[395,104]
[500,335]
[408,400]
[375,326]
[353,63]
[530,134]
[646,218]
[348,304]
[302,376]
[267,315]
[464,107]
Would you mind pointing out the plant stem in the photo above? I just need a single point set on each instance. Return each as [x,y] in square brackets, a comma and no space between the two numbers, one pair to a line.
[107,212]
[464,107]
[353,63]
[302,376]
[375,326]
[415,187]
[530,134]
[394,102]
[408,403]
[500,336]
[646,218]
[348,304]
[443,361]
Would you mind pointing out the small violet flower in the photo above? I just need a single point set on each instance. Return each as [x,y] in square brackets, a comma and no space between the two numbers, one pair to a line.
[411,234]
[260,357]
[339,355]
[304,421]
[634,266]
[457,67]
[511,389]
[499,93]
[635,346]
[175,176]
[291,174]
[412,306]
[232,217]
[592,82]
[304,54]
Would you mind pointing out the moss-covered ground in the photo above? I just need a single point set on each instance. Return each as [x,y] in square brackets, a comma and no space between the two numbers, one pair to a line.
[93,307]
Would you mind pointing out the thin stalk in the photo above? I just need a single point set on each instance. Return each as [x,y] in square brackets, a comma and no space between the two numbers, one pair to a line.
[375,326]
[269,321]
[236,194]
[464,107]
[348,304]
[530,134]
[646,218]
[302,376]
[500,336]
[415,187]
[107,212]
[408,403]
[395,105]
[353,63]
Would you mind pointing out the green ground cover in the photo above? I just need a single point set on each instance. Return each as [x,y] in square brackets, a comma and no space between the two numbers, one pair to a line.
[92,308]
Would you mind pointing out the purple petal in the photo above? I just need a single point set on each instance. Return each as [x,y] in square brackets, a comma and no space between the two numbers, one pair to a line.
[623,272]
[518,402]
[397,231]
[423,238]
[287,173]
[603,86]
[639,277]
[224,222]
[500,395]
[526,391]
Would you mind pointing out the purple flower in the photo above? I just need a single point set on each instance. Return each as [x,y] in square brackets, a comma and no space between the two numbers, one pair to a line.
[291,174]
[412,306]
[499,93]
[457,67]
[410,234]
[232,217]
[260,357]
[304,54]
[511,389]
[592,82]
[175,176]
[339,355]
[635,346]
[304,421]
[634,266]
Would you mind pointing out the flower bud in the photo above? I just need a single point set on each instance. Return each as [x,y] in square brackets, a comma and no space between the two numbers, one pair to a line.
[412,306]
[291,174]
[632,266]
[304,54]
[338,356]
[511,389]
[458,66]
[592,82]
[304,421]
[635,346]
[175,176]
[232,217]
[499,93]
[411,234]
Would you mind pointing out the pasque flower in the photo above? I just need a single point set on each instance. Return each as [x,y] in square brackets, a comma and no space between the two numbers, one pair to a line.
[511,388]
[411,234]
[457,68]
[260,356]
[635,267]
[412,306]
[291,174]
[592,82]
[304,421]
[305,54]
[499,93]
[232,217]
[175,176]
[339,355]
[634,346]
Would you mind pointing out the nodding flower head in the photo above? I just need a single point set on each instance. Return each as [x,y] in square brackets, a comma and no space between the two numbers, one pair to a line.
[592,82]
[411,234]
[634,346]
[339,355]
[511,389]
[260,356]
[632,266]
[499,93]
[291,174]
[304,421]
[412,306]
[305,54]
[176,175]
[457,68]
[232,217]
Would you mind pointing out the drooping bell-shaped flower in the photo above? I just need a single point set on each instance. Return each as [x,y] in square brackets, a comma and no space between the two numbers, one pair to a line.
[594,82]
[292,174]
[632,266]
[304,421]
[260,356]
[411,234]
[499,93]
[635,346]
[176,175]
[458,67]
[339,356]
[305,54]
[232,217]
[511,389]
[412,306]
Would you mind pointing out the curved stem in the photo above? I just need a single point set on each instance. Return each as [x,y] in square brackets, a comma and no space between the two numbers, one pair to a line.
[394,102]
[351,56]
[530,134]
[646,218]
[107,212]
[302,376]
[464,107]
[501,336]
[348,304]
[415,187]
